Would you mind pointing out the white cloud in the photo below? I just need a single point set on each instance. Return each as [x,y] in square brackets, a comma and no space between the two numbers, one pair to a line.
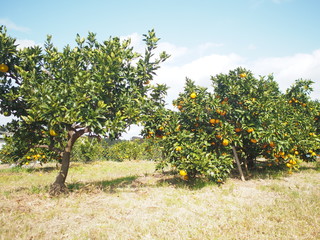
[11,25]
[136,41]
[200,70]
[23,43]
[290,68]
[285,69]
[174,51]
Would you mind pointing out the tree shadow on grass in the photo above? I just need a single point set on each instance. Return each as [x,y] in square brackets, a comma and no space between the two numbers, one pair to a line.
[263,171]
[104,185]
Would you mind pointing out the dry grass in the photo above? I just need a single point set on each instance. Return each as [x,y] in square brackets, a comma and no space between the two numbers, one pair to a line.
[128,200]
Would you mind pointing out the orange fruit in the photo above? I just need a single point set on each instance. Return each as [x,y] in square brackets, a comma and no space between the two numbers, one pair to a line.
[212,121]
[253,140]
[238,130]
[272,144]
[293,162]
[250,130]
[193,95]
[242,75]
[4,68]
[225,142]
[53,133]
[222,113]
[178,148]
[183,173]
[186,177]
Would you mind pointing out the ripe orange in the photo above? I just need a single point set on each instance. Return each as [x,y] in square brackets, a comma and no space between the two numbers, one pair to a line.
[178,148]
[225,142]
[250,130]
[242,75]
[253,140]
[293,162]
[193,95]
[212,121]
[272,144]
[186,177]
[53,133]
[238,130]
[183,173]
[4,68]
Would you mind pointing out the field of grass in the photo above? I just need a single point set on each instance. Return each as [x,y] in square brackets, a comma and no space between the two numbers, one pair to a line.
[129,200]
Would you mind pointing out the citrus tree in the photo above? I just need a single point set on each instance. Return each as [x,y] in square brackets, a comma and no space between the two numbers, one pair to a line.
[242,114]
[59,95]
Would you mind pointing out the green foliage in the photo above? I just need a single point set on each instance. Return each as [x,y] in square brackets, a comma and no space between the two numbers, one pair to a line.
[88,149]
[57,96]
[248,113]
[132,150]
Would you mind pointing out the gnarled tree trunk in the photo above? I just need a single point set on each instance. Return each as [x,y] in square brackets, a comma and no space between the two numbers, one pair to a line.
[59,187]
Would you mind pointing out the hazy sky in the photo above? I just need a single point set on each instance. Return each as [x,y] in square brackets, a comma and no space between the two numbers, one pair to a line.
[204,37]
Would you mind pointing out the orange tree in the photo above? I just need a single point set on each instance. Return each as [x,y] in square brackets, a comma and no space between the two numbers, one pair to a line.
[304,114]
[195,140]
[57,96]
[250,114]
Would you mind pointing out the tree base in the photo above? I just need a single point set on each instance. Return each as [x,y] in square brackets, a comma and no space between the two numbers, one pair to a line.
[57,189]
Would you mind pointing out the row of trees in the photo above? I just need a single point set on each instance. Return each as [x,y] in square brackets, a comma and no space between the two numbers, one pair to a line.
[241,116]
[100,88]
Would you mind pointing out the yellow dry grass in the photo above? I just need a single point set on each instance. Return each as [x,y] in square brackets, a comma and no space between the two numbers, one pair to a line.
[129,200]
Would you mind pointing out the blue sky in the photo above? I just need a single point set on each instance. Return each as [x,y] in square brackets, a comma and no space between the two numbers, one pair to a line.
[204,37]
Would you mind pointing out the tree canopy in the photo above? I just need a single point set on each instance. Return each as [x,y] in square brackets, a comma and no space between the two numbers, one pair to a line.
[98,88]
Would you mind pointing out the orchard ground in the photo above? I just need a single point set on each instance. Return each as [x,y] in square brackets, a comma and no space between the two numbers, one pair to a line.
[129,200]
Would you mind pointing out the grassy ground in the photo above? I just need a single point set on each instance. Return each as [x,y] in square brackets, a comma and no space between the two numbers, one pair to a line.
[128,200]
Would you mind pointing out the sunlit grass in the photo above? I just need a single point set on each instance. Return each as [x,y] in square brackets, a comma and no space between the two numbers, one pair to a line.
[129,200]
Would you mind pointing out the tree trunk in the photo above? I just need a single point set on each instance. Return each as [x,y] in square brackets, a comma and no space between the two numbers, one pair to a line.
[59,187]
[251,162]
